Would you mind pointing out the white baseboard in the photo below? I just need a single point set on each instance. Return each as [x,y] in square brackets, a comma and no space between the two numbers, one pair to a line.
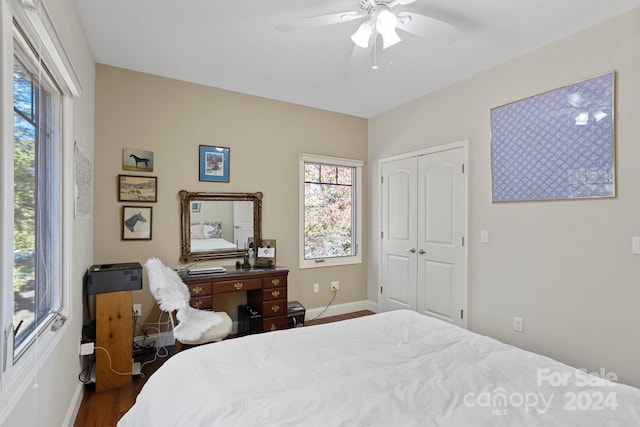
[337,309]
[74,406]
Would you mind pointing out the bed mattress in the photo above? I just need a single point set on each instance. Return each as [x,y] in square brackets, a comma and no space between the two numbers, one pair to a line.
[397,368]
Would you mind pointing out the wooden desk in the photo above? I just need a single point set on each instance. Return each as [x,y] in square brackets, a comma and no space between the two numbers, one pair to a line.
[266,291]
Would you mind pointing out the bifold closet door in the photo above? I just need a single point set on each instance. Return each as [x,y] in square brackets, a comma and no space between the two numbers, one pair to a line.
[423,221]
[441,225]
[399,235]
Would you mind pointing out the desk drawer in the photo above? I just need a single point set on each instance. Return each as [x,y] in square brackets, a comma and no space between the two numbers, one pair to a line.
[202,303]
[275,323]
[274,282]
[199,289]
[237,285]
[274,308]
[274,293]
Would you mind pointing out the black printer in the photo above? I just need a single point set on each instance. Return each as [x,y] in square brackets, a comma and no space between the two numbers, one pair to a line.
[114,278]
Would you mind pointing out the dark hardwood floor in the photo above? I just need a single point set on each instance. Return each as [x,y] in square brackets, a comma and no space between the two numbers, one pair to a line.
[104,409]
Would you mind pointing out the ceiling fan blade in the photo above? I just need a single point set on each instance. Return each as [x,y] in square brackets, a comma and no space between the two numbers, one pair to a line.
[426,27]
[319,21]
[395,3]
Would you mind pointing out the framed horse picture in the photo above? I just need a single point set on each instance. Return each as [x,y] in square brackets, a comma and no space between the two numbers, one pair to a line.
[136,223]
[137,188]
[137,160]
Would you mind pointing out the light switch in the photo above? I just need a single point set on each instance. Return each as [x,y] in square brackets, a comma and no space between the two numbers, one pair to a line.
[484,236]
[635,245]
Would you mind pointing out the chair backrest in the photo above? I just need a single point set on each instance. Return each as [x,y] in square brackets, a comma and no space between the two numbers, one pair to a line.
[166,286]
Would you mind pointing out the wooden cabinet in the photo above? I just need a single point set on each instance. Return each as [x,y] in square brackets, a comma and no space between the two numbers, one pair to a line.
[266,291]
[113,335]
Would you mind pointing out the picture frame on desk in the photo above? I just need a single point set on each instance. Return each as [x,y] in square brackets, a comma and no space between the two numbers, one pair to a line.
[266,254]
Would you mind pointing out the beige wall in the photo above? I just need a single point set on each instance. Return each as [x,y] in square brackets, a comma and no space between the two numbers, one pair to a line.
[565,267]
[172,118]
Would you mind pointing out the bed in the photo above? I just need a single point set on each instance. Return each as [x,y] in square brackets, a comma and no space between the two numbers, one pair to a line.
[207,236]
[397,368]
[216,243]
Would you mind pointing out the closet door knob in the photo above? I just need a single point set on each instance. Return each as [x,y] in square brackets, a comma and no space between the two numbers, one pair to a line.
[412,250]
[421,252]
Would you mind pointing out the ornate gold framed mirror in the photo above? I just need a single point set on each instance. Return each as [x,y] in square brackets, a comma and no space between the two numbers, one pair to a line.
[219,225]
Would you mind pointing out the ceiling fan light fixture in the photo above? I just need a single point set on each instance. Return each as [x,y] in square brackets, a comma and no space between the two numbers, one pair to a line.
[386,24]
[363,34]
[389,39]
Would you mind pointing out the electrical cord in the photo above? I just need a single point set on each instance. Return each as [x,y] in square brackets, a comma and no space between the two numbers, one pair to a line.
[110,365]
[160,352]
[325,309]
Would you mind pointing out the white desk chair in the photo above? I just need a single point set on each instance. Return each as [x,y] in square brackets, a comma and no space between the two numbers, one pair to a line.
[190,325]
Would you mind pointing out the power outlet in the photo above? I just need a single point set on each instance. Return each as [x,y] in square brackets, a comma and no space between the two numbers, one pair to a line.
[335,285]
[316,288]
[517,324]
[137,310]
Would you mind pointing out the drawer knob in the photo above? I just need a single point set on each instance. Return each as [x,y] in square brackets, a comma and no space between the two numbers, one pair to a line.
[275,282]
[275,294]
[196,304]
[275,308]
[273,327]
[196,290]
[238,285]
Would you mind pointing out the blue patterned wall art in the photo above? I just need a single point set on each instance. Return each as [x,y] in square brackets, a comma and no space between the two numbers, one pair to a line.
[556,145]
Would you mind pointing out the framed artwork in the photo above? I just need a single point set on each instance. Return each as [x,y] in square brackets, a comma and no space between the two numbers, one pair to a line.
[136,222]
[195,207]
[137,188]
[214,164]
[556,145]
[137,160]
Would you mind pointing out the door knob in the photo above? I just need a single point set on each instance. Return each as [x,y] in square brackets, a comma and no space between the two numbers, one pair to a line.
[412,250]
[421,252]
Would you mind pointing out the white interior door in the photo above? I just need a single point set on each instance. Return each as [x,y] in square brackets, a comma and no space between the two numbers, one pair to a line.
[399,234]
[441,257]
[242,223]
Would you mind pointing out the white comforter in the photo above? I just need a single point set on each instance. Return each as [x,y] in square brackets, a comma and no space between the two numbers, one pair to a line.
[391,369]
[203,245]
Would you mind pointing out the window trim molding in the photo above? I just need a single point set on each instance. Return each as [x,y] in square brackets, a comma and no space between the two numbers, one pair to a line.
[33,19]
[338,161]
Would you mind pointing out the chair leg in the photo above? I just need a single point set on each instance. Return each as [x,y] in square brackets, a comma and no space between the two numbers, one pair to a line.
[178,346]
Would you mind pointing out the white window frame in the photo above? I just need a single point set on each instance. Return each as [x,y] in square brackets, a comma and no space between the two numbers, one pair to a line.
[357,215]
[16,374]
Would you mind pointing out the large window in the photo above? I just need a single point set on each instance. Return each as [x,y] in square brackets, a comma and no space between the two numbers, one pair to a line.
[331,211]
[37,106]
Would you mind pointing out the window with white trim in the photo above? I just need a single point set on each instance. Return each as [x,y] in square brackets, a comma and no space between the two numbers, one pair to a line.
[37,86]
[330,211]
[37,122]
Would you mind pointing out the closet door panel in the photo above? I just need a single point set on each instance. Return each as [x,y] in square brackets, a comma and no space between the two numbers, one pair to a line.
[441,221]
[398,217]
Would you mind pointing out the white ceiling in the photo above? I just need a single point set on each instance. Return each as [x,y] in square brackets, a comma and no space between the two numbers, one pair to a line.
[234,45]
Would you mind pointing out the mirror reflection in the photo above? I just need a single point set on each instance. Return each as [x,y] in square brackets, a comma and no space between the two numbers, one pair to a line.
[219,225]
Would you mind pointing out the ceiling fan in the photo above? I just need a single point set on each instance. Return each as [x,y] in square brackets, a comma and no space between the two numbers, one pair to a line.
[380,18]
